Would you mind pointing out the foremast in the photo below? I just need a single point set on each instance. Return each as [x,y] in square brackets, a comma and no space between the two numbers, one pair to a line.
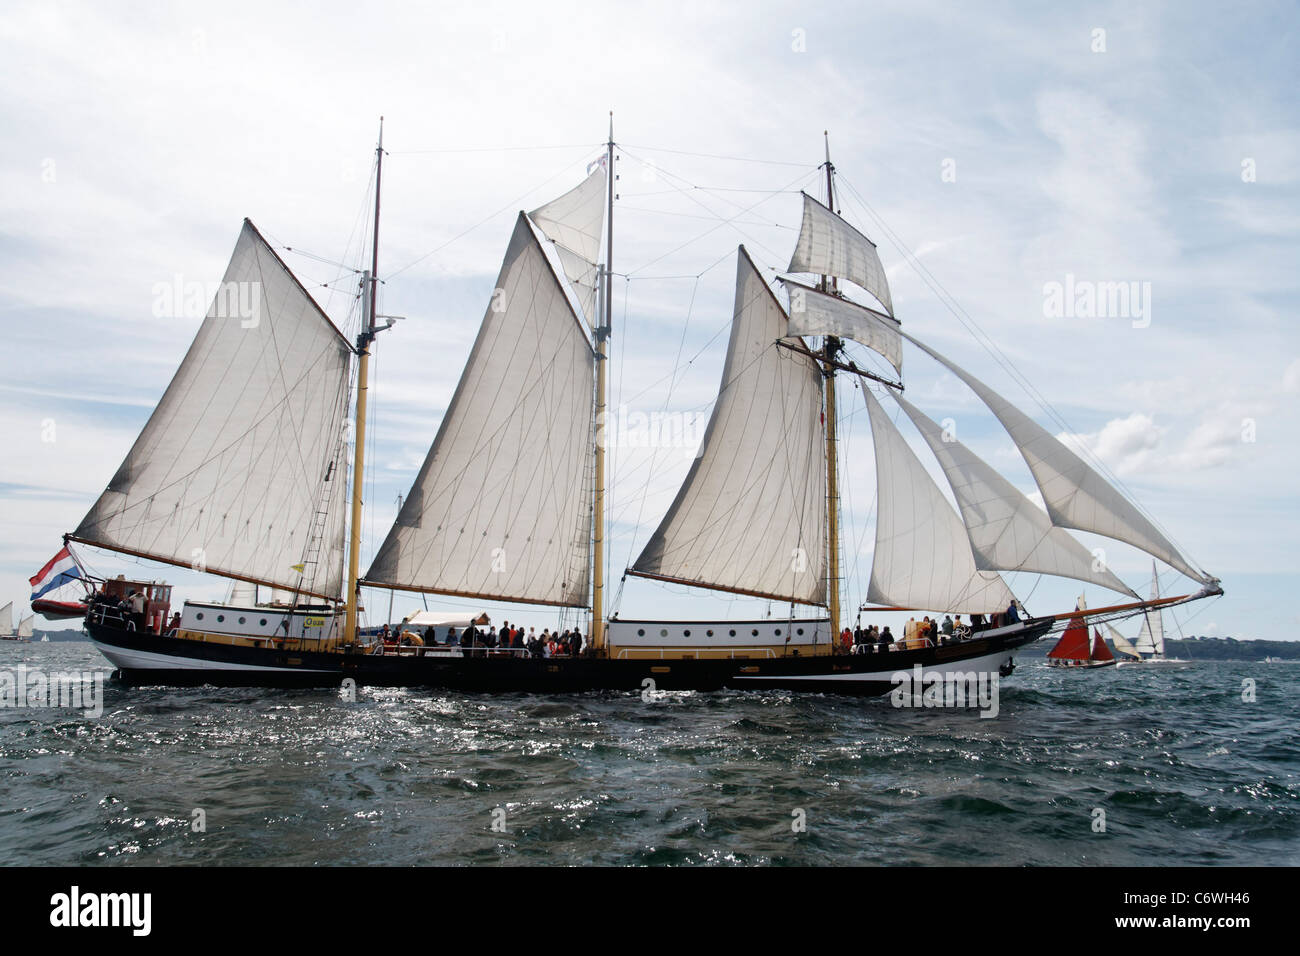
[368,282]
[829,353]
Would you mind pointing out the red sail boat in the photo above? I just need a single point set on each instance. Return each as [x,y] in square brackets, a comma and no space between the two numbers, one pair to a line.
[1072,650]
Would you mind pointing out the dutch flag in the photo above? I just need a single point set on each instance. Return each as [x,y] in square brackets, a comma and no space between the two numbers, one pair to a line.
[58,571]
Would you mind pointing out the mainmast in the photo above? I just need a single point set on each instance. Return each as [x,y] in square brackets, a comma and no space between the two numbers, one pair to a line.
[597,630]
[367,335]
[829,353]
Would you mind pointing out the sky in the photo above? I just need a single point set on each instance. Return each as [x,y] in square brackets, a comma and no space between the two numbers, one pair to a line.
[1009,149]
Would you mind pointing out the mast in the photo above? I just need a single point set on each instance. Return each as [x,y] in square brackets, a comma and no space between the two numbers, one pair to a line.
[597,631]
[364,339]
[829,352]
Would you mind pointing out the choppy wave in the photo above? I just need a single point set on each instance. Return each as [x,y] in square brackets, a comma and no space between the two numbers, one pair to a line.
[1181,768]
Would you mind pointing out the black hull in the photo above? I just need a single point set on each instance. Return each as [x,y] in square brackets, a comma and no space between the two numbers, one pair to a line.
[198,663]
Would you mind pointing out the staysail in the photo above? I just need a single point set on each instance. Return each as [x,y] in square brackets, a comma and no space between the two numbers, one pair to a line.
[1122,643]
[815,313]
[573,223]
[243,456]
[751,516]
[1007,531]
[829,246]
[1075,495]
[501,508]
[923,559]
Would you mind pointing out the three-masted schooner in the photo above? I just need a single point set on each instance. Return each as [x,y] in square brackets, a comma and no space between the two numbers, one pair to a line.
[241,472]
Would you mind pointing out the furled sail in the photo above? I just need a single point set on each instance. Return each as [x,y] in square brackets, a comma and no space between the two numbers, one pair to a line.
[573,223]
[751,515]
[1075,495]
[501,508]
[923,558]
[815,313]
[1007,531]
[238,471]
[1151,638]
[829,246]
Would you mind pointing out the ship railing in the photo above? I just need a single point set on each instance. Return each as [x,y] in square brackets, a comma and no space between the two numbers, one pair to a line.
[627,653]
[106,614]
[452,650]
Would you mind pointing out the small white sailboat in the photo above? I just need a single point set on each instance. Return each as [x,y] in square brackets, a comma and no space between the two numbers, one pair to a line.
[1149,648]
[7,623]
[25,628]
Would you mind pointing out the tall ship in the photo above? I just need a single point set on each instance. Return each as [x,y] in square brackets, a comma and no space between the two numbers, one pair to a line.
[242,472]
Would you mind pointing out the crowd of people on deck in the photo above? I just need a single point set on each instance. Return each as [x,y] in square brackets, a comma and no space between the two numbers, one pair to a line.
[927,632]
[478,641]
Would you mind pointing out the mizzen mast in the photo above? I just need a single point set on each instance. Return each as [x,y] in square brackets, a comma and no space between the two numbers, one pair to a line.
[369,282]
[597,629]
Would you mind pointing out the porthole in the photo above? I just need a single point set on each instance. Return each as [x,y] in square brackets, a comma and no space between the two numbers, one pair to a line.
[778,632]
[710,633]
[756,632]
[199,616]
[733,632]
[263,622]
[663,632]
[220,618]
[241,620]
[801,631]
[641,632]
[686,633]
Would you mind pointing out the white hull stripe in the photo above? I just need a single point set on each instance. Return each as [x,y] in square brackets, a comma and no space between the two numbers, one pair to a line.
[146,660]
[989,662]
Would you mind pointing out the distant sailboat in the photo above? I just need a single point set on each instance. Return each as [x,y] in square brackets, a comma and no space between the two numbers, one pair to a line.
[1149,648]
[1073,649]
[25,628]
[7,623]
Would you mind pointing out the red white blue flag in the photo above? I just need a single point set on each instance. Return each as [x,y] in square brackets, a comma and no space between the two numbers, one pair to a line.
[58,571]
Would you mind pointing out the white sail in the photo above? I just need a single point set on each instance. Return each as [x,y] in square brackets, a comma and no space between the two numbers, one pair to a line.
[1151,638]
[1075,495]
[501,507]
[1122,643]
[573,222]
[751,515]
[923,559]
[242,593]
[25,626]
[829,246]
[243,452]
[7,620]
[816,313]
[1007,531]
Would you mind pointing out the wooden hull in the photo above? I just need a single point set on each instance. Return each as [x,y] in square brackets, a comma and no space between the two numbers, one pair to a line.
[1080,665]
[144,658]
